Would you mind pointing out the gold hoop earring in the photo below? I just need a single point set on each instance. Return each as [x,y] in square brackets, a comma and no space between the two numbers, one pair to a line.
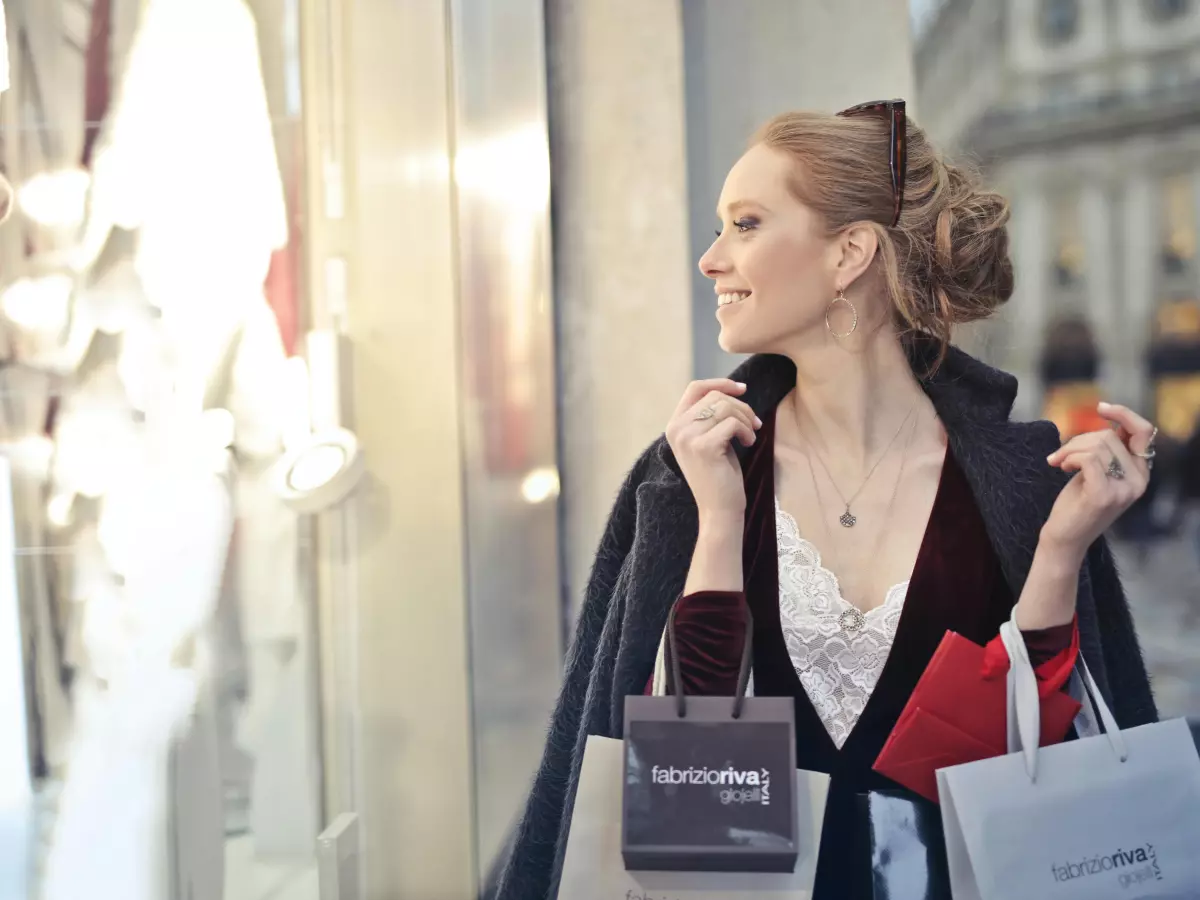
[841,298]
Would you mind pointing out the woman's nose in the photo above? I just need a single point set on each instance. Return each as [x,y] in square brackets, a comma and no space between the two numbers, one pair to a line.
[710,263]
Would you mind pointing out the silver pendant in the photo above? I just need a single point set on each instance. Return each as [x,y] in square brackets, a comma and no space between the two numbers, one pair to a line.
[847,518]
[851,619]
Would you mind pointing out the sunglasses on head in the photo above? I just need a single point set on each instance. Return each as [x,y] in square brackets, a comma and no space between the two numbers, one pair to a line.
[891,111]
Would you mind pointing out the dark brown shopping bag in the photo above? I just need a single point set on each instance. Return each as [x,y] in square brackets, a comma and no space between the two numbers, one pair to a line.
[709,781]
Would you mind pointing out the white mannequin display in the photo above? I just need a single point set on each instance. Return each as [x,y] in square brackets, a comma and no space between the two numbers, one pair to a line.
[187,165]
[191,165]
[168,512]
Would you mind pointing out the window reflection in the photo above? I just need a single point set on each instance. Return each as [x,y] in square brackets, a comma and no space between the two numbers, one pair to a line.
[151,300]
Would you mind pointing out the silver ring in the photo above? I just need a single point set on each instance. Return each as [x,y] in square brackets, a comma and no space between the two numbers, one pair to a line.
[1149,453]
[707,413]
[1115,470]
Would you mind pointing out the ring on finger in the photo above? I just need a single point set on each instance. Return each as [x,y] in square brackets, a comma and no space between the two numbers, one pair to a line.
[1149,453]
[707,413]
[1115,470]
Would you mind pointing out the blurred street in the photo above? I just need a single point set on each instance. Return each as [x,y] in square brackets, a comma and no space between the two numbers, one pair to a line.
[1164,590]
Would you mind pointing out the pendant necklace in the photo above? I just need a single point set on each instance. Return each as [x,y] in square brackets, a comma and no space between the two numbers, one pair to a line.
[853,618]
[847,518]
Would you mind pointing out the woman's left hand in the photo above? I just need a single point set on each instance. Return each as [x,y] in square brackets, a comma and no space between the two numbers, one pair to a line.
[1110,476]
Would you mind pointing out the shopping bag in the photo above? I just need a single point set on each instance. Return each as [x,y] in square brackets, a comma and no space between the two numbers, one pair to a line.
[908,853]
[955,715]
[594,868]
[709,780]
[1114,814]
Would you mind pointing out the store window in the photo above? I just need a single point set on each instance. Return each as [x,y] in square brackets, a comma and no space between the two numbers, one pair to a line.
[149,308]
[1067,236]
[1178,205]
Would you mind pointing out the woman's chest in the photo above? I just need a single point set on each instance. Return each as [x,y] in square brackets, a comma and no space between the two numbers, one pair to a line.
[849,667]
[868,546]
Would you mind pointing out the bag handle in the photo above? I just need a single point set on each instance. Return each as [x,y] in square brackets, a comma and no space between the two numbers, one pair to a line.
[1024,704]
[675,679]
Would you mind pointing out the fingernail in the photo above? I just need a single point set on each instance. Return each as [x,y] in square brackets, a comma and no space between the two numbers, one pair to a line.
[741,385]
[1050,458]
[757,422]
[1104,405]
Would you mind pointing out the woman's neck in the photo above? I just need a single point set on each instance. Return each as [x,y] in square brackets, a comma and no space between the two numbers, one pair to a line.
[851,402]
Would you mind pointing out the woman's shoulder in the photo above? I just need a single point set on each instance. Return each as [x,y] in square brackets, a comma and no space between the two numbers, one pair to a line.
[1037,438]
[978,401]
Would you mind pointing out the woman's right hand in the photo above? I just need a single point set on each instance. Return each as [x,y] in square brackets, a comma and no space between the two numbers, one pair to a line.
[703,445]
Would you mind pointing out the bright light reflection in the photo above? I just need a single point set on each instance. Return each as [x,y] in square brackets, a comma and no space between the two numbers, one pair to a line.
[540,485]
[511,169]
[55,199]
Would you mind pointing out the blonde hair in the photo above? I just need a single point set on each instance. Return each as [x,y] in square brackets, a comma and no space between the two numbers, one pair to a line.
[945,262]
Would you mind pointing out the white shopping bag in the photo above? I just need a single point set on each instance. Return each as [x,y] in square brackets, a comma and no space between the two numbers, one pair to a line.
[594,869]
[1112,815]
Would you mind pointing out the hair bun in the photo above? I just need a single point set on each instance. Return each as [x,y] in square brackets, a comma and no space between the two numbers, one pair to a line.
[945,261]
[972,271]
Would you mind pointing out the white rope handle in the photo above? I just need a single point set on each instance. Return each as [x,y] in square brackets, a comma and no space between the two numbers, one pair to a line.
[658,685]
[1024,704]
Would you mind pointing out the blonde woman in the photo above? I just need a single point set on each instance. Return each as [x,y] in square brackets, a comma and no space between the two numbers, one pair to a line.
[858,482]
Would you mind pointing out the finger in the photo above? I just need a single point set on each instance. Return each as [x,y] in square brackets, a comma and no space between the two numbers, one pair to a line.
[1137,430]
[1134,466]
[727,430]
[708,412]
[1092,470]
[731,424]
[1086,441]
[1073,462]
[698,389]
[1092,466]
[1089,468]
[723,406]
[1089,440]
[741,406]
[1107,448]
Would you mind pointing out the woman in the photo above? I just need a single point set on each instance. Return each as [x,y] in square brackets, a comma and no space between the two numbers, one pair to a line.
[858,482]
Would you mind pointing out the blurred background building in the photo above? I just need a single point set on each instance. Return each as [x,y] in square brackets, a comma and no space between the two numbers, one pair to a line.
[330,327]
[1086,114]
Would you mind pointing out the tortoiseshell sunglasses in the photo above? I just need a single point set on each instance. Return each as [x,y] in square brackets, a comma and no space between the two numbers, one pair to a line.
[891,111]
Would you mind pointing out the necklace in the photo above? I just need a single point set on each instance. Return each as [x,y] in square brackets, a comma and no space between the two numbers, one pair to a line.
[852,618]
[847,518]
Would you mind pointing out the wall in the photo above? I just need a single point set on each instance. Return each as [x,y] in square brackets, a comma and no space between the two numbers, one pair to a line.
[746,62]
[622,288]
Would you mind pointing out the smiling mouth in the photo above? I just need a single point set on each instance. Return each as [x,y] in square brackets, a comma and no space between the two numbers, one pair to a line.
[730,299]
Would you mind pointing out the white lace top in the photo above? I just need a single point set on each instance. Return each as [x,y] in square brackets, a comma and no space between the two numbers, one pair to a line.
[838,652]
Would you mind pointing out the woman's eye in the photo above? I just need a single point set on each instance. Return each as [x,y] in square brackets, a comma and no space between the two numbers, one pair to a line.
[742,225]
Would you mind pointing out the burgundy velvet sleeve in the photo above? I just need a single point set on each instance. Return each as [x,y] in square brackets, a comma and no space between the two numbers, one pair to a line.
[1044,644]
[710,631]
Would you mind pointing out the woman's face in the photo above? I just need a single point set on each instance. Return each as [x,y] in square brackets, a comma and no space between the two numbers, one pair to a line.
[774,269]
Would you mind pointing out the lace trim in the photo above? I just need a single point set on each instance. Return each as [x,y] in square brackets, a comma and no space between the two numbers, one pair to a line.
[838,651]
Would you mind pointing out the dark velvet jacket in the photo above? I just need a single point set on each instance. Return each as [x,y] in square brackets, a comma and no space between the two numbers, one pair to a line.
[646,549]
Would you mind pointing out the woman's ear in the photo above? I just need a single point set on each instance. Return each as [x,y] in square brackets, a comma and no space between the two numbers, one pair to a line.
[857,245]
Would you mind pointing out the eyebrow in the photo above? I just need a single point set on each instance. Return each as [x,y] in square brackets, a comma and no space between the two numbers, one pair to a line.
[733,208]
